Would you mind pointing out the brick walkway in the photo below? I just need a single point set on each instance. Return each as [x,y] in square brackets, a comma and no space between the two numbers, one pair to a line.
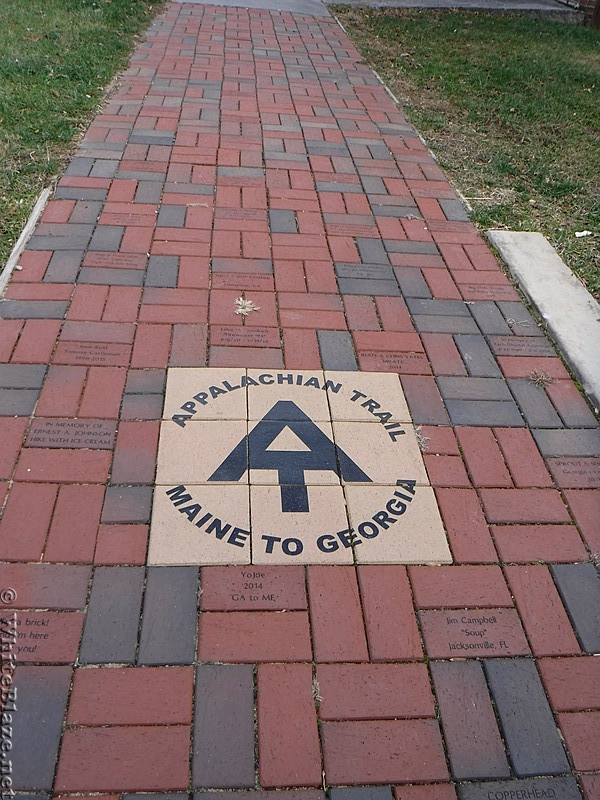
[254,153]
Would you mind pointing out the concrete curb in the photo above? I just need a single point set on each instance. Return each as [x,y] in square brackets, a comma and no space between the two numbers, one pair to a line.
[13,258]
[568,309]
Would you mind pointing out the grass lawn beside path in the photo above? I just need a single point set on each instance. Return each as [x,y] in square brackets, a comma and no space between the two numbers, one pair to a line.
[56,59]
[510,105]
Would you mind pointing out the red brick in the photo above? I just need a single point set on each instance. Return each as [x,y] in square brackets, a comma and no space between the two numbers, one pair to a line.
[58,211]
[585,507]
[61,391]
[481,257]
[244,357]
[251,636]
[571,683]
[289,276]
[523,366]
[384,340]
[114,332]
[394,314]
[56,642]
[9,333]
[466,527]
[455,257]
[189,346]
[385,751]
[63,466]
[459,587]
[441,284]
[336,616]
[310,301]
[124,759]
[542,611]
[361,313]
[288,738]
[283,589]
[582,735]
[121,544]
[122,304]
[135,452]
[591,786]
[430,791]
[473,633]
[524,543]
[374,691]
[37,341]
[483,457]
[88,302]
[74,528]
[38,291]
[430,208]
[320,276]
[523,458]
[322,320]
[33,265]
[22,534]
[301,349]
[193,273]
[103,392]
[127,696]
[137,240]
[47,585]
[440,440]
[443,354]
[222,307]
[446,471]
[152,345]
[570,404]
[121,191]
[12,432]
[523,505]
[343,249]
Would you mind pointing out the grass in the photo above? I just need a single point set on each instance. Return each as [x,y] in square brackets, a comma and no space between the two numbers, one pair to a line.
[510,105]
[56,59]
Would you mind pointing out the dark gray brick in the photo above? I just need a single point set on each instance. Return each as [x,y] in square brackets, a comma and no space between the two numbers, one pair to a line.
[488,317]
[424,400]
[64,266]
[582,442]
[17,402]
[111,626]
[86,211]
[477,356]
[285,794]
[454,209]
[348,188]
[75,193]
[107,238]
[104,168]
[127,504]
[135,175]
[282,221]
[486,413]
[111,277]
[559,788]
[385,210]
[80,167]
[262,265]
[162,271]
[240,172]
[519,319]
[373,185]
[223,754]
[472,736]
[428,323]
[374,288]
[534,404]
[438,308]
[171,216]
[42,694]
[22,376]
[33,309]
[170,616]
[142,406]
[150,192]
[360,793]
[145,381]
[396,130]
[380,152]
[337,351]
[530,732]
[372,251]
[456,388]
[377,272]
[67,242]
[579,587]
[413,248]
[160,137]
[411,282]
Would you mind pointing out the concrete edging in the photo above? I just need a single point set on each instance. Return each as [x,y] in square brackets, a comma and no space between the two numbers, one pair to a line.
[13,258]
[568,309]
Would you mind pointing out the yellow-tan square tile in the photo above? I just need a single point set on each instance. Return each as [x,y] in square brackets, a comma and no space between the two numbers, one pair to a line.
[304,390]
[205,393]
[200,525]
[394,526]
[194,454]
[292,452]
[359,396]
[310,537]
[382,457]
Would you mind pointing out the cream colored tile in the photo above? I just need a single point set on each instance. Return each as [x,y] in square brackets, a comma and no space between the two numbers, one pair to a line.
[394,530]
[215,389]
[316,529]
[192,454]
[200,525]
[306,391]
[383,458]
[358,396]
[296,446]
